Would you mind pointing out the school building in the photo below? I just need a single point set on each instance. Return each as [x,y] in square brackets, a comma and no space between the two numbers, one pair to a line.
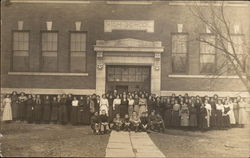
[85,47]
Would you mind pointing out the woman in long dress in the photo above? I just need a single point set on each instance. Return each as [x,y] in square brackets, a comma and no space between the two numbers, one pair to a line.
[7,112]
[116,105]
[63,107]
[143,105]
[30,109]
[110,113]
[14,105]
[86,112]
[192,115]
[242,113]
[219,112]
[167,112]
[175,122]
[231,113]
[203,122]
[74,110]
[80,113]
[209,109]
[46,109]
[213,113]
[225,115]
[54,110]
[124,106]
[131,102]
[38,109]
[104,105]
[22,106]
[236,111]
[151,104]
[184,115]
[136,103]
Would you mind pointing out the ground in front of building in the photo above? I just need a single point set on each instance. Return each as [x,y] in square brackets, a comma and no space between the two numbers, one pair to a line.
[20,139]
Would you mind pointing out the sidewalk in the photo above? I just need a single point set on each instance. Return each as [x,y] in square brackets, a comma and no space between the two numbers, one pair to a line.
[131,144]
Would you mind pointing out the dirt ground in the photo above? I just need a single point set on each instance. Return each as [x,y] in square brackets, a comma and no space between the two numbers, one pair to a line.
[29,140]
[234,142]
[21,139]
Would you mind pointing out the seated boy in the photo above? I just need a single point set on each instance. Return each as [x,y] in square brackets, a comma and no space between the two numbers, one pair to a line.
[126,123]
[144,122]
[95,123]
[135,122]
[104,120]
[159,123]
[118,122]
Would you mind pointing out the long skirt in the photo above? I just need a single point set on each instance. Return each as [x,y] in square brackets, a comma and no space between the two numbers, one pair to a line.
[236,115]
[14,107]
[123,110]
[167,117]
[74,110]
[175,119]
[193,120]
[22,108]
[142,109]
[7,113]
[242,116]
[63,115]
[136,108]
[80,115]
[46,113]
[219,118]
[30,114]
[38,113]
[203,122]
[54,114]
[226,121]
[184,120]
[231,117]
[111,112]
[213,118]
[86,117]
[130,110]
[117,109]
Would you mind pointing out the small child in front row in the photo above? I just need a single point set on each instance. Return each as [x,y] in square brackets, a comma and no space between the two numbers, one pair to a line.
[118,122]
[144,122]
[135,122]
[126,123]
[95,123]
[104,121]
[159,124]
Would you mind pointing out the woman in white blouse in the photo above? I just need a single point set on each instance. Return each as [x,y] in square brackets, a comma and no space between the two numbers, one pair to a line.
[116,105]
[74,111]
[219,112]
[209,109]
[131,102]
[104,104]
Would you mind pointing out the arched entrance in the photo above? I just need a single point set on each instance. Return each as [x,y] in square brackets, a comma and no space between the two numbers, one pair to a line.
[129,53]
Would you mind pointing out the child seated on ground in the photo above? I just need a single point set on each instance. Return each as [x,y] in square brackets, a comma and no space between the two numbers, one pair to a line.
[95,123]
[159,124]
[104,121]
[118,122]
[126,123]
[144,122]
[135,122]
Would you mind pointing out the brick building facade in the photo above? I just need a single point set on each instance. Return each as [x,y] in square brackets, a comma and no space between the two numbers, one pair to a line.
[85,47]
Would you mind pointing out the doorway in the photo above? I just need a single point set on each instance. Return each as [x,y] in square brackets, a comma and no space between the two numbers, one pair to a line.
[128,78]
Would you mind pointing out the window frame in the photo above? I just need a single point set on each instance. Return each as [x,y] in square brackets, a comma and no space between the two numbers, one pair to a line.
[187,53]
[215,54]
[41,48]
[69,52]
[12,48]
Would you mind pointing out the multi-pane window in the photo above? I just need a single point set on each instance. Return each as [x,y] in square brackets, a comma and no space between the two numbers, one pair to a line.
[238,47]
[207,54]
[20,51]
[77,52]
[128,74]
[49,51]
[179,53]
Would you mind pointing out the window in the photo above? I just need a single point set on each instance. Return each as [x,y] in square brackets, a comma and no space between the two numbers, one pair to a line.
[49,51]
[20,51]
[207,54]
[78,52]
[238,46]
[179,53]
[128,74]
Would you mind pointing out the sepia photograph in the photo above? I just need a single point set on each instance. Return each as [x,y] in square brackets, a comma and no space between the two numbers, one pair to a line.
[125,78]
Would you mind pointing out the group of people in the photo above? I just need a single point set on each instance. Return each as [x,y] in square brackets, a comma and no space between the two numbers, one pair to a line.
[139,111]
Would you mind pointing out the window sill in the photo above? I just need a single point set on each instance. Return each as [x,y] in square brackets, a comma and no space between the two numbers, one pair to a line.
[203,76]
[47,74]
